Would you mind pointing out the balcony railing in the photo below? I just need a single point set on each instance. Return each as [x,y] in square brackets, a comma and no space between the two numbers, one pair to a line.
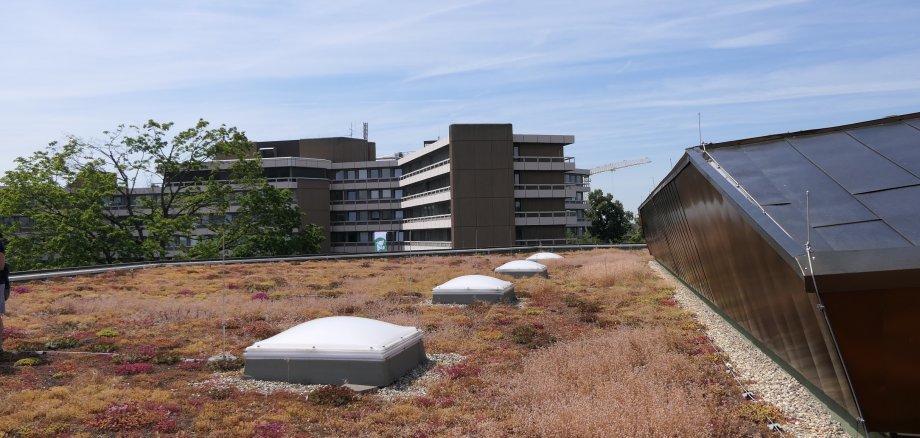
[532,159]
[540,186]
[425,169]
[438,217]
[430,192]
[434,243]
[364,201]
[368,222]
[537,242]
[558,213]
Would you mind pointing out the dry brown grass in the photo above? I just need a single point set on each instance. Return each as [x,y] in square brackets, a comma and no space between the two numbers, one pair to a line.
[598,350]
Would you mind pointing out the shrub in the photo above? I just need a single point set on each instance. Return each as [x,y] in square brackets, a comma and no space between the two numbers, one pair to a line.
[20,290]
[460,370]
[221,392]
[130,369]
[259,296]
[269,429]
[760,412]
[166,359]
[190,365]
[523,334]
[103,348]
[13,332]
[120,417]
[260,330]
[331,395]
[107,333]
[531,336]
[227,363]
[28,362]
[62,343]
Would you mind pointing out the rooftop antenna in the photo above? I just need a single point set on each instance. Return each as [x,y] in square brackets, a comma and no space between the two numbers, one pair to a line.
[365,131]
[699,129]
[351,129]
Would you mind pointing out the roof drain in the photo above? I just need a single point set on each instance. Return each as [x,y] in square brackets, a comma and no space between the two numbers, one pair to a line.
[860,420]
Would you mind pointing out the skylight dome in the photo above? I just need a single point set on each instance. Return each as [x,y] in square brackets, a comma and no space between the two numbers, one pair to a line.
[545,256]
[522,268]
[337,350]
[469,288]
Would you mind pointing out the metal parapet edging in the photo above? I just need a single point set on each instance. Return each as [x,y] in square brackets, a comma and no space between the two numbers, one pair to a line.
[100,269]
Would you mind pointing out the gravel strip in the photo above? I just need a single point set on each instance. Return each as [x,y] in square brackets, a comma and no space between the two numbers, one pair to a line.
[411,385]
[414,383]
[807,417]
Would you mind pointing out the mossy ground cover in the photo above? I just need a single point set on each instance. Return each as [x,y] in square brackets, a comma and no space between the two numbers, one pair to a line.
[599,348]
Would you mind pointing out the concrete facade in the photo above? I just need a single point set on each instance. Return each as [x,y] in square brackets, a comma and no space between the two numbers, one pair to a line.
[482,186]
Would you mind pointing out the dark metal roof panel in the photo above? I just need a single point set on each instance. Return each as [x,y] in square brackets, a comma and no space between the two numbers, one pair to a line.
[863,182]
[898,207]
[861,235]
[750,176]
[900,143]
[851,164]
[793,174]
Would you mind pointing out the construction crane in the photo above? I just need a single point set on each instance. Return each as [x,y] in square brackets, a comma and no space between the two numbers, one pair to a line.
[610,167]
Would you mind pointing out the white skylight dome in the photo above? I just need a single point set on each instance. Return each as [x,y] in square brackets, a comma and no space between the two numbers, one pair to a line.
[469,288]
[522,268]
[545,256]
[336,350]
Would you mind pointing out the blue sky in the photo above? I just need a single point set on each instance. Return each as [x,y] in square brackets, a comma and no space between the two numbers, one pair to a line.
[626,78]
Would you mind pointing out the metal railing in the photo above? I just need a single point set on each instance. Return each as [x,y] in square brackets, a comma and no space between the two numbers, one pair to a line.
[426,218]
[541,242]
[98,269]
[558,213]
[367,222]
[540,186]
[425,169]
[364,201]
[436,243]
[430,192]
[533,159]
[364,180]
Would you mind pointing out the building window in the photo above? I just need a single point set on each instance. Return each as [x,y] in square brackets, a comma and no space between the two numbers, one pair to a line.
[362,174]
[375,194]
[385,172]
[387,194]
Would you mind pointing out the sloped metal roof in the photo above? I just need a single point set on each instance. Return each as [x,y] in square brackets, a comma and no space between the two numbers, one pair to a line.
[863,182]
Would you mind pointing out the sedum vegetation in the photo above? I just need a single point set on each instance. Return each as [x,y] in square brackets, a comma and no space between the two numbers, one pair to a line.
[598,349]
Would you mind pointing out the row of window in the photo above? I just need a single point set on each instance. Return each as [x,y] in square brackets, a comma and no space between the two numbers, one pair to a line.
[359,174]
[363,216]
[366,237]
[359,195]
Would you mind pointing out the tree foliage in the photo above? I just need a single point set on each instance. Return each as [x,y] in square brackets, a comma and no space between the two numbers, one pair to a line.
[139,193]
[610,222]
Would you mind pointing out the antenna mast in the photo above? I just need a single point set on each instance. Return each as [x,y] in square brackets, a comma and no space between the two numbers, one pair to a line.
[365,131]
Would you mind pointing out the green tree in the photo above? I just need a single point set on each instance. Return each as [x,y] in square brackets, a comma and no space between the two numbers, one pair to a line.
[65,200]
[139,193]
[165,182]
[635,236]
[610,222]
[266,224]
